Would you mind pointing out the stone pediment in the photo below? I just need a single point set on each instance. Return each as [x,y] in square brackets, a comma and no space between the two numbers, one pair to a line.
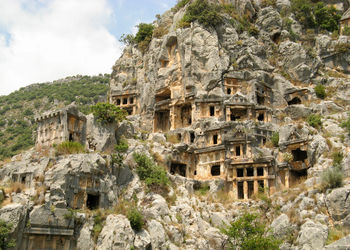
[237,98]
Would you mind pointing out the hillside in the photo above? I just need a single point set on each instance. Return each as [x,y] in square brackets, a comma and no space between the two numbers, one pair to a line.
[19,108]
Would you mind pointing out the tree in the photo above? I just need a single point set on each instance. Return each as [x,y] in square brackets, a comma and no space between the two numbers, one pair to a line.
[5,240]
[108,113]
[248,233]
[326,17]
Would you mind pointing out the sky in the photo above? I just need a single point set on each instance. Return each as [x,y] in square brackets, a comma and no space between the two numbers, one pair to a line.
[45,40]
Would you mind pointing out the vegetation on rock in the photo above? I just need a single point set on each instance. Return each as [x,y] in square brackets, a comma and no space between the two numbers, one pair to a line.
[247,232]
[314,120]
[69,147]
[316,15]
[320,91]
[108,113]
[5,240]
[136,219]
[203,12]
[154,175]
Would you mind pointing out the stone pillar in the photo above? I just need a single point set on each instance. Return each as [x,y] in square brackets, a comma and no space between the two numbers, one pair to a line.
[256,185]
[245,189]
[234,189]
[286,178]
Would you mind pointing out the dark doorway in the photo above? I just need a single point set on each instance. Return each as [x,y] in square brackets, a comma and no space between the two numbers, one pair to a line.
[295,100]
[215,170]
[229,91]
[178,168]
[261,117]
[261,186]
[260,99]
[250,171]
[192,137]
[118,101]
[276,37]
[125,100]
[23,179]
[212,111]
[93,201]
[250,189]
[238,151]
[162,121]
[131,100]
[215,139]
[299,155]
[240,190]
[70,137]
[240,172]
[260,171]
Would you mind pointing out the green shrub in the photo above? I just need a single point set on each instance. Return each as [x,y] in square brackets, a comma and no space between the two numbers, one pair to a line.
[136,219]
[314,120]
[122,145]
[247,232]
[145,31]
[203,12]
[154,176]
[346,31]
[5,230]
[332,178]
[98,225]
[275,138]
[69,147]
[326,17]
[337,159]
[346,124]
[108,113]
[320,91]
[342,47]
[180,4]
[203,189]
[315,15]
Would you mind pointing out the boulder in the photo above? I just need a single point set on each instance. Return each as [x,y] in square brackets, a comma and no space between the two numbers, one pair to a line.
[157,233]
[142,240]
[116,234]
[342,244]
[312,235]
[281,226]
[338,203]
[100,136]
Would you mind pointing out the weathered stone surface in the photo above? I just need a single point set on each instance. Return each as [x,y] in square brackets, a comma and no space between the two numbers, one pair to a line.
[338,203]
[84,240]
[312,235]
[342,244]
[157,233]
[281,226]
[116,234]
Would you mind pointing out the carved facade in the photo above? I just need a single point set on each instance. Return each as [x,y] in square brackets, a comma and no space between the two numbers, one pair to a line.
[228,150]
[67,124]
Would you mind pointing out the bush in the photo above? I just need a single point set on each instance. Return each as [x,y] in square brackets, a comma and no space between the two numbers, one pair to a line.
[108,113]
[275,138]
[337,159]
[248,233]
[122,145]
[315,15]
[342,47]
[180,4]
[332,178]
[320,91]
[5,230]
[69,147]
[346,124]
[314,120]
[145,31]
[346,31]
[136,219]
[154,176]
[203,12]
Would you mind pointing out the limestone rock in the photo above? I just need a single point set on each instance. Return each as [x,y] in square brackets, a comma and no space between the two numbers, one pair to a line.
[338,203]
[116,234]
[342,244]
[280,226]
[312,235]
[157,233]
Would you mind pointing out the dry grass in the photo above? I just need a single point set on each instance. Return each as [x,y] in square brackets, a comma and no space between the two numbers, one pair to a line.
[336,233]
[172,138]
[15,187]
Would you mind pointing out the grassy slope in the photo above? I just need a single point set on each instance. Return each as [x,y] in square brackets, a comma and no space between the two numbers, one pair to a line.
[17,110]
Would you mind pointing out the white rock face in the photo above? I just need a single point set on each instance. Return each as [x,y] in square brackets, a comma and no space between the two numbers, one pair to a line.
[312,235]
[116,234]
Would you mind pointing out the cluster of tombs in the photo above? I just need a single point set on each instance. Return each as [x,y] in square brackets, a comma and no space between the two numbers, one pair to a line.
[226,151]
